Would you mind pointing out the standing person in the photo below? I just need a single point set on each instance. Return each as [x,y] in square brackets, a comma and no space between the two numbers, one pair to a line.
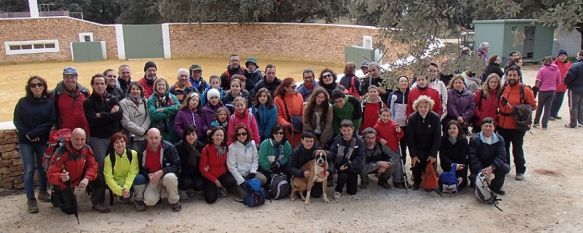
[188,150]
[124,78]
[423,137]
[121,168]
[69,96]
[149,78]
[472,81]
[371,107]
[511,96]
[242,116]
[493,67]
[345,108]
[34,116]
[196,79]
[482,52]
[422,88]
[350,82]
[235,91]
[290,105]
[547,80]
[397,103]
[301,155]
[213,166]
[182,88]
[460,105]
[487,155]
[233,68]
[514,59]
[454,149]
[318,117]
[136,118]
[215,83]
[564,66]
[243,160]
[328,81]
[213,104]
[380,160]
[574,81]
[112,84]
[162,107]
[160,163]
[309,84]
[435,83]
[104,116]
[373,77]
[486,101]
[252,74]
[270,81]
[76,168]
[264,112]
[274,154]
[190,114]
[346,157]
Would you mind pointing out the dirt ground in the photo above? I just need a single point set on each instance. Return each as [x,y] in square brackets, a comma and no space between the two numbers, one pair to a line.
[548,200]
[14,77]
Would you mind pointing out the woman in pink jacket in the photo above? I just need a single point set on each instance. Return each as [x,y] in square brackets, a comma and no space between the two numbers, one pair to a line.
[242,116]
[547,79]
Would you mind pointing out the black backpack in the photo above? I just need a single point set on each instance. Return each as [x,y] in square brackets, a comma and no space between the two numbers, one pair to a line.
[112,157]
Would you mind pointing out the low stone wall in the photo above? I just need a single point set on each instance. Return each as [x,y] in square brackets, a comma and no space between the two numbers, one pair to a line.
[11,168]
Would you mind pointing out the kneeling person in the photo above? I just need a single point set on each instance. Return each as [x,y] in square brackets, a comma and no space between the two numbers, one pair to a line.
[381,161]
[347,156]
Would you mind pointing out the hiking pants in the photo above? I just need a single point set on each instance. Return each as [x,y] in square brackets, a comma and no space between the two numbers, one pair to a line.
[557,102]
[167,186]
[350,179]
[545,101]
[575,108]
[210,190]
[516,137]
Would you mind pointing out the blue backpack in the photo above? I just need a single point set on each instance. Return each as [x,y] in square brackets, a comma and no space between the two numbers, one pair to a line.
[255,193]
[448,180]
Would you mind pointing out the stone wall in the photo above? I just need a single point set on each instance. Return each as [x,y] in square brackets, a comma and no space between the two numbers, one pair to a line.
[11,168]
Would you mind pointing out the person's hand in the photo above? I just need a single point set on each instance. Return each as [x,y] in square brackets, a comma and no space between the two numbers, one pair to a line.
[307,173]
[98,115]
[414,161]
[160,110]
[398,129]
[381,170]
[460,119]
[343,167]
[206,168]
[65,176]
[115,108]
[488,170]
[459,167]
[383,164]
[431,159]
[155,177]
[125,193]
[383,141]
[218,184]
[84,182]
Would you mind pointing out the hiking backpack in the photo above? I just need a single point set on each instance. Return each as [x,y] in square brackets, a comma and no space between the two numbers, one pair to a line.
[279,186]
[255,193]
[56,146]
[483,192]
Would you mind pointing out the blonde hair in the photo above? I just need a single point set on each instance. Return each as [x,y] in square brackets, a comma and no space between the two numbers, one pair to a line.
[486,86]
[452,80]
[239,98]
[423,99]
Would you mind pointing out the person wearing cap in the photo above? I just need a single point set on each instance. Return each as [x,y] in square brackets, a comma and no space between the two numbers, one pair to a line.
[69,96]
[147,81]
[196,79]
[345,108]
[364,68]
[124,78]
[564,66]
[346,158]
[380,160]
[233,68]
[253,74]
[213,104]
[270,81]
[182,88]
[309,84]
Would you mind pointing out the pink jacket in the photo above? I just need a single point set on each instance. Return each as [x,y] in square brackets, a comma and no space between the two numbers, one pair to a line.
[246,119]
[548,77]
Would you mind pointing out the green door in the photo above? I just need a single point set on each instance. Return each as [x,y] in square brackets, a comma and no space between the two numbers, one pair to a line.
[87,51]
[143,41]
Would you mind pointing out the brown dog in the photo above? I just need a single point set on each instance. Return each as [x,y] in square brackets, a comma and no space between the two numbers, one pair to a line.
[318,168]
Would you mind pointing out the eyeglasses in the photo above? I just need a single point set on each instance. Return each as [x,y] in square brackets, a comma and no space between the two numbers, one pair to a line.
[370,138]
[241,134]
[278,132]
[39,85]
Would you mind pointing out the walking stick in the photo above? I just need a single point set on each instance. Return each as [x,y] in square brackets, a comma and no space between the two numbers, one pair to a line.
[405,176]
[74,199]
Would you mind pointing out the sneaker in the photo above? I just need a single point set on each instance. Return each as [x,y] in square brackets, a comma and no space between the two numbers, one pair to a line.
[519,176]
[499,191]
[183,195]
[552,118]
[557,117]
[385,184]
[535,125]
[32,207]
[176,207]
[336,195]
[101,208]
[570,126]
[223,192]
[44,196]
[139,205]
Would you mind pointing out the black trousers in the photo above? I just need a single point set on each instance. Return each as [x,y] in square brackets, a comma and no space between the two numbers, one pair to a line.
[348,178]
[403,145]
[516,138]
[419,169]
[498,181]
[210,190]
[190,181]
[65,198]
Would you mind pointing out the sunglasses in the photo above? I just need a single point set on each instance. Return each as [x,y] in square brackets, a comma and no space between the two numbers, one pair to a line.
[327,76]
[278,132]
[33,85]
[241,134]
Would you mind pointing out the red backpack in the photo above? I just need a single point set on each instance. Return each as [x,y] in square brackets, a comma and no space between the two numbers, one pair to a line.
[57,141]
[352,90]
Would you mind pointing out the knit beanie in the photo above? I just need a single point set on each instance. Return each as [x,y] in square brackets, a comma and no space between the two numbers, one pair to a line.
[562,51]
[213,92]
[150,64]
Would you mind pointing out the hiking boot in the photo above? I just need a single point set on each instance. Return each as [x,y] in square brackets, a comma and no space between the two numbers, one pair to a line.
[570,126]
[223,192]
[183,195]
[519,176]
[415,186]
[101,208]
[399,185]
[139,205]
[32,207]
[535,125]
[558,117]
[44,196]
[384,183]
[499,191]
[336,195]
[176,207]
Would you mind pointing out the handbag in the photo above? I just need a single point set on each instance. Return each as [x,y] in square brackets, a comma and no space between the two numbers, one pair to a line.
[429,180]
[295,121]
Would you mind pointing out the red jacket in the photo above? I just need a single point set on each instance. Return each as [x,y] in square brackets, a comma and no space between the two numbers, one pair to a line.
[148,88]
[217,163]
[512,94]
[74,165]
[432,93]
[487,107]
[370,113]
[388,131]
[70,108]
[563,68]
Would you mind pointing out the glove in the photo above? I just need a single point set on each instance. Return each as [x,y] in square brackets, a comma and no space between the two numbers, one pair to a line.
[275,166]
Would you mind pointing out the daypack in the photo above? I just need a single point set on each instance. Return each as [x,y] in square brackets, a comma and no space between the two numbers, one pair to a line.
[279,186]
[522,112]
[352,90]
[112,157]
[448,180]
[56,146]
[255,193]
[429,180]
[483,192]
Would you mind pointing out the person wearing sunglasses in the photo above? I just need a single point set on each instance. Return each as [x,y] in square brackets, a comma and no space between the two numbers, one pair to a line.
[274,153]
[328,81]
[242,159]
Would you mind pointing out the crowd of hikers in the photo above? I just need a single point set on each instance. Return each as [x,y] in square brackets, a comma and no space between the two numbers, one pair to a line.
[151,138]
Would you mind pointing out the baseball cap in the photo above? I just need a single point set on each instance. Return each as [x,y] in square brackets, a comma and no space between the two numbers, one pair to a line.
[69,70]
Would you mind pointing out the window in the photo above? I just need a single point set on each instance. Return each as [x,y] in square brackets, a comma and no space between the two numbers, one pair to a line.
[85,36]
[367,42]
[34,46]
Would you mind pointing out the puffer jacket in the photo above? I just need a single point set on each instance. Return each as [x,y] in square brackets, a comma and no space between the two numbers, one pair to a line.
[460,104]
[242,160]
[186,117]
[574,78]
[136,118]
[563,68]
[548,77]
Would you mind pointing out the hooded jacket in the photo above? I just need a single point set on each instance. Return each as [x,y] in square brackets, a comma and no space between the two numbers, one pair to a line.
[252,80]
[338,153]
[217,163]
[350,111]
[482,155]
[248,120]
[122,175]
[548,77]
[186,117]
[242,160]
[266,119]
[75,162]
[164,120]
[485,107]
[69,106]
[460,104]
[388,131]
[267,150]
[563,68]
[136,118]
[148,86]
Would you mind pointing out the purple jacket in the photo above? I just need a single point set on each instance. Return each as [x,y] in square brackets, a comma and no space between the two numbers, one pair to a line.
[549,77]
[209,112]
[186,117]
[459,104]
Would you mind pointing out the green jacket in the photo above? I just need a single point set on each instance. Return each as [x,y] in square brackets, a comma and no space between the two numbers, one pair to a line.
[164,120]
[266,149]
[351,111]
[122,175]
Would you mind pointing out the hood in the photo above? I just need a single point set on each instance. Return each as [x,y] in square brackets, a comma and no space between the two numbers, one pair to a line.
[551,67]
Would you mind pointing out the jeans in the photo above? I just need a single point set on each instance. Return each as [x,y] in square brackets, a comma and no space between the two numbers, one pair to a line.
[99,146]
[516,137]
[557,102]
[31,155]
[545,101]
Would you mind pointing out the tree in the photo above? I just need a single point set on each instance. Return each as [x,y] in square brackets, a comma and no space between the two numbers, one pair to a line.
[139,12]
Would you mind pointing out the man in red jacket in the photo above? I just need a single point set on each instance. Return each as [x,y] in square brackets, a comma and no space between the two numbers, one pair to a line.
[564,66]
[75,167]
[69,96]
[147,81]
[422,88]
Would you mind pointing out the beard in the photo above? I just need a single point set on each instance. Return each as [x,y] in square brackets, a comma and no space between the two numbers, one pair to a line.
[512,82]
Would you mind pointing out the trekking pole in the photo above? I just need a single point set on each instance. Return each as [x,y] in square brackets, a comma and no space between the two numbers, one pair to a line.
[406,182]
[131,140]
[75,206]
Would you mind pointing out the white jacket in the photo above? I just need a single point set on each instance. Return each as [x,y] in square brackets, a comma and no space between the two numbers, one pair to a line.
[242,160]
[136,119]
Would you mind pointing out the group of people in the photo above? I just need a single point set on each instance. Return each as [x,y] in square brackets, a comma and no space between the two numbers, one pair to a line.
[150,139]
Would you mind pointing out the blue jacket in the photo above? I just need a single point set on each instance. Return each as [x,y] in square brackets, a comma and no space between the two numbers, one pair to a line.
[266,119]
[34,117]
[482,155]
[574,79]
[305,92]
[338,151]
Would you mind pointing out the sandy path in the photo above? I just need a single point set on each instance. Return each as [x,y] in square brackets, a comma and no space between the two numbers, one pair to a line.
[548,200]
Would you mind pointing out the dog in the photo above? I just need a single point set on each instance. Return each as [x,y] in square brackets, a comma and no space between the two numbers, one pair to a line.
[318,168]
